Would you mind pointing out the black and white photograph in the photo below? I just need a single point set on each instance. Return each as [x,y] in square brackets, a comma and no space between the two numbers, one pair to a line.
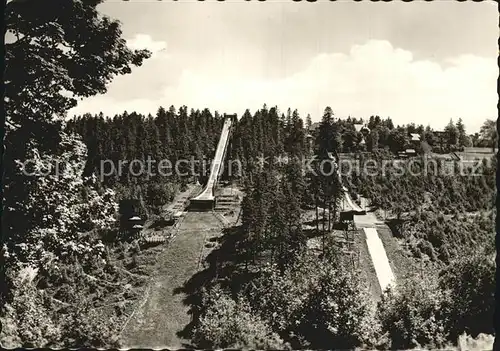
[245,174]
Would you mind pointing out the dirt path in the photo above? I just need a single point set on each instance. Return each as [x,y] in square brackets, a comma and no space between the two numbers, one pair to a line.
[165,313]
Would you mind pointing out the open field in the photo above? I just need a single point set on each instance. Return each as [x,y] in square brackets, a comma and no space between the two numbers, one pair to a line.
[478,150]
[476,155]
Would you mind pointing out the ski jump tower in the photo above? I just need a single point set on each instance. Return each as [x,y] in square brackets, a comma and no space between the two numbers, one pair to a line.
[206,200]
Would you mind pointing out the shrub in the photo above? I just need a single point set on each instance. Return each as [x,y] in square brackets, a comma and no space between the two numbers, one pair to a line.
[227,323]
[481,342]
[86,326]
[337,312]
[132,263]
[426,248]
[412,315]
[28,318]
[470,283]
[315,304]
[135,248]
[444,254]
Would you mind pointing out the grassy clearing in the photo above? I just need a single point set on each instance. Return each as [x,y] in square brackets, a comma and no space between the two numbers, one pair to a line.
[166,312]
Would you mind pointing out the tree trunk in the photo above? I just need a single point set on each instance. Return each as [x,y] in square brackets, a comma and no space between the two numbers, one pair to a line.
[329,216]
[272,255]
[323,243]
[324,215]
[324,223]
[335,209]
[317,216]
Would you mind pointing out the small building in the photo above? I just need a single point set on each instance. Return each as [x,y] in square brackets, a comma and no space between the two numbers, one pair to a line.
[362,128]
[309,140]
[178,214]
[415,140]
[410,152]
[414,137]
[407,153]
[131,216]
[314,127]
[364,131]
[129,208]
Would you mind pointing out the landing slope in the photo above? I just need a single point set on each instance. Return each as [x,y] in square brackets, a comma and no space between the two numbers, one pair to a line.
[164,314]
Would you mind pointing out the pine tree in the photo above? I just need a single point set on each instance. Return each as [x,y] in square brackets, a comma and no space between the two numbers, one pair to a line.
[452,134]
[308,122]
[373,140]
[326,134]
[462,135]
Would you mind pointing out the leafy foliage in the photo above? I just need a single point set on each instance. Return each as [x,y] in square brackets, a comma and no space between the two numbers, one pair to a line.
[310,304]
[412,314]
[70,48]
[422,190]
[227,323]
[471,284]
[337,311]
[61,206]
[431,310]
[52,58]
[27,319]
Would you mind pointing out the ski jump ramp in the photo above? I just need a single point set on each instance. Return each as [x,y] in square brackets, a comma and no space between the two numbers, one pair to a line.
[354,208]
[206,200]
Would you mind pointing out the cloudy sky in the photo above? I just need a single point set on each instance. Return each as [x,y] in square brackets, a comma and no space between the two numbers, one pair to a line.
[415,62]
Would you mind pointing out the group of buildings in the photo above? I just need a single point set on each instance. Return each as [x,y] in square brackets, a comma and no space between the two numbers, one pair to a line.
[415,139]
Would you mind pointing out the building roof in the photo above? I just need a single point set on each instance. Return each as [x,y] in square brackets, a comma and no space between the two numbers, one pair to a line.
[410,151]
[415,137]
[314,126]
[358,126]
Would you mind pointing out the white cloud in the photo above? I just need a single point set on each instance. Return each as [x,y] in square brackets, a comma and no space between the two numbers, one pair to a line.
[144,41]
[373,78]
